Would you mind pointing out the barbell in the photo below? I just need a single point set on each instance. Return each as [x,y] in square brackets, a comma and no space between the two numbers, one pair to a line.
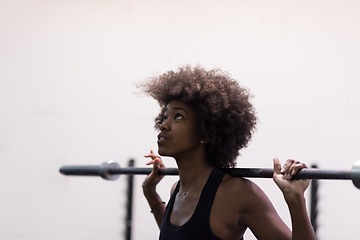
[111,171]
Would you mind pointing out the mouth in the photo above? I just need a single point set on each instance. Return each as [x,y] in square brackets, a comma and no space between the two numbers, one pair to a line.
[162,137]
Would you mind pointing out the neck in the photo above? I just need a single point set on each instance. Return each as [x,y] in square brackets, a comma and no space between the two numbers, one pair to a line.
[193,167]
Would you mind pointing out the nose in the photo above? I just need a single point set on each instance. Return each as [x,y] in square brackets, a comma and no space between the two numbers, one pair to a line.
[164,126]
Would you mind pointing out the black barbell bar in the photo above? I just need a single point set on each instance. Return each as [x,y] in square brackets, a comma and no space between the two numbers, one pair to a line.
[111,171]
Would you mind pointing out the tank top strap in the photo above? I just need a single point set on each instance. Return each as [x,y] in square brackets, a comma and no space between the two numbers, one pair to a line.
[198,226]
[207,197]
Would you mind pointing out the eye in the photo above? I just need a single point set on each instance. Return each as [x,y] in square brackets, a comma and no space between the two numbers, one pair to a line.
[164,118]
[178,116]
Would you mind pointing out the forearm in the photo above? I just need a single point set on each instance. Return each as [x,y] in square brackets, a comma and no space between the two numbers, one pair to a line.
[157,206]
[301,226]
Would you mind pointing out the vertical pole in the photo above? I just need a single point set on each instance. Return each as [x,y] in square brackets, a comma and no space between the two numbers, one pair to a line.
[129,204]
[314,201]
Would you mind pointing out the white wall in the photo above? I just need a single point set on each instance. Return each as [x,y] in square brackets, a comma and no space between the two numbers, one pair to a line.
[67,70]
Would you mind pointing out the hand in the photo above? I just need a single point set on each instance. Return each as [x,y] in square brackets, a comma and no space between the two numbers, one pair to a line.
[154,177]
[282,177]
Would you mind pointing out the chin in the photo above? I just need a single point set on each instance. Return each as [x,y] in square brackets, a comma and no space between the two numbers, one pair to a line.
[164,153]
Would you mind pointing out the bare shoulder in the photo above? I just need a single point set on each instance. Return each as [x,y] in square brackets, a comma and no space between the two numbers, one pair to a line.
[236,198]
[239,185]
[245,201]
[244,191]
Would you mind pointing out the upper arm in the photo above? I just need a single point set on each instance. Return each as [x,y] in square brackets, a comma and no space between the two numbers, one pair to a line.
[261,217]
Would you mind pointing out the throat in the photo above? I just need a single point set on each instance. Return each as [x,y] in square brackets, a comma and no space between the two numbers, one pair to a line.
[196,184]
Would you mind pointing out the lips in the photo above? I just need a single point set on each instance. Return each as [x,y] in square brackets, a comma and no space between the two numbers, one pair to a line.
[162,137]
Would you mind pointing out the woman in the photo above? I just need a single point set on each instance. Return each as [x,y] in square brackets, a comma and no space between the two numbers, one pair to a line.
[206,118]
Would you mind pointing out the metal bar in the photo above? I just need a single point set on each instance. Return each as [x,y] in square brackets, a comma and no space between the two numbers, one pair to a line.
[143,171]
[236,172]
[246,172]
[112,171]
[80,170]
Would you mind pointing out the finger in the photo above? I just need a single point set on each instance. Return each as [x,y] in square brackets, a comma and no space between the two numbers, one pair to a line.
[161,164]
[153,156]
[277,166]
[295,167]
[150,163]
[151,152]
[287,169]
[287,165]
[153,160]
[157,163]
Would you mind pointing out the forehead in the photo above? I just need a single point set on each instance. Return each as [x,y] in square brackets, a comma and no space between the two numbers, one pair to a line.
[179,105]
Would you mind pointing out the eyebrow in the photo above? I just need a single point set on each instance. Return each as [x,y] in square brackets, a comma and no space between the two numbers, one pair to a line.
[175,108]
[180,108]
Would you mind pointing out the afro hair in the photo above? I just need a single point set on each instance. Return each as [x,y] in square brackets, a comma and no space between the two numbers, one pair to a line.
[226,118]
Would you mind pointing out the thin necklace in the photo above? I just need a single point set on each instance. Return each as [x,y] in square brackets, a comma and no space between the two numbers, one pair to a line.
[184,193]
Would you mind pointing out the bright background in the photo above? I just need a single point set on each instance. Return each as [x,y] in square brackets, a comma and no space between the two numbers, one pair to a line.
[67,97]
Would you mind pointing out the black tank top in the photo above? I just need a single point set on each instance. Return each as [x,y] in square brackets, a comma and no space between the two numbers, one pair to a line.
[198,226]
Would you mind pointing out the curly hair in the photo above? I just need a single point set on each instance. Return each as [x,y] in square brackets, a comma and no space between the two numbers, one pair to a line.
[226,118]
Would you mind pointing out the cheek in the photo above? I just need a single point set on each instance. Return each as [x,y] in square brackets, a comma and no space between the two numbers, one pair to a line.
[190,137]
